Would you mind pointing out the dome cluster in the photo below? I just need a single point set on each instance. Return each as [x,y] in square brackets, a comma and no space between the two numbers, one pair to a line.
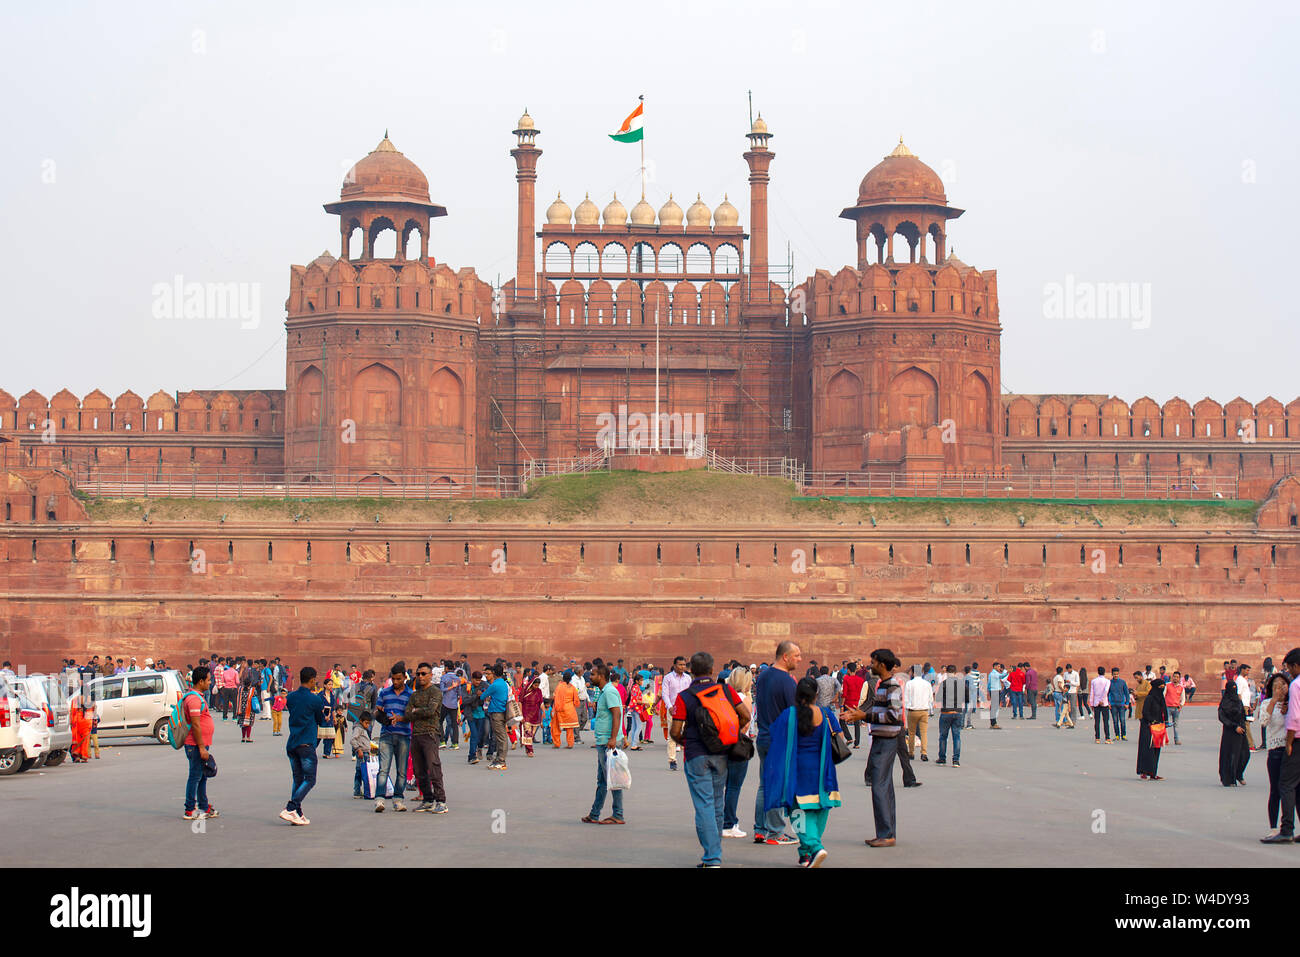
[698,216]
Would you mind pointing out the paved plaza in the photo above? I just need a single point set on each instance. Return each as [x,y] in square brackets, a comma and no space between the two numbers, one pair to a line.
[1027,795]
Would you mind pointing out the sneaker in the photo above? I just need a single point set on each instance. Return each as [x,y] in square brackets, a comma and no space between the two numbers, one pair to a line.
[956,764]
[734,832]
[290,816]
[914,784]
[455,747]
[424,806]
[941,761]
[760,838]
[399,806]
[804,860]
[302,821]
[501,766]
[784,840]
[379,806]
[473,760]
[672,765]
[195,815]
[443,745]
[818,858]
[211,812]
[923,758]
[440,808]
[358,797]
[1278,838]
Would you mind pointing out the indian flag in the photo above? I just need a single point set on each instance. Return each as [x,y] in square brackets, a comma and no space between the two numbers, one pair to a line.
[631,131]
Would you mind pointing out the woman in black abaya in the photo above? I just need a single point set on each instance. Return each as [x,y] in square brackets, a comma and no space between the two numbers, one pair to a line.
[1153,712]
[1232,745]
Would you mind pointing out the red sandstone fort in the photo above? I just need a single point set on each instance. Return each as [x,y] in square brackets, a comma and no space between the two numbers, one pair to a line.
[403,369]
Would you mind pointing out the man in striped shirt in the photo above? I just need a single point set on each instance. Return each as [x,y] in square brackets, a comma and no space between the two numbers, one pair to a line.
[394,739]
[886,718]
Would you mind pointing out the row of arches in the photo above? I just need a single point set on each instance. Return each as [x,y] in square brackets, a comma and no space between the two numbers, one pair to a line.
[328,284]
[596,302]
[880,243]
[1084,417]
[376,394]
[911,398]
[907,289]
[562,259]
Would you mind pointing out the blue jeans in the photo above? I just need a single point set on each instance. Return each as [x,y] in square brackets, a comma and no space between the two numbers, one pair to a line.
[706,776]
[1058,699]
[1017,704]
[1174,715]
[196,785]
[950,721]
[393,752]
[477,735]
[634,731]
[1119,719]
[772,823]
[361,780]
[302,760]
[450,727]
[736,771]
[602,788]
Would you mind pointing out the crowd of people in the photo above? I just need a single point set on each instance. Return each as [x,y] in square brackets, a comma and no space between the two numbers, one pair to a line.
[799,722]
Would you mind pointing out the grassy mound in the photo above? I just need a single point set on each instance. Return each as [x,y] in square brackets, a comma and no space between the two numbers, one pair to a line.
[679,498]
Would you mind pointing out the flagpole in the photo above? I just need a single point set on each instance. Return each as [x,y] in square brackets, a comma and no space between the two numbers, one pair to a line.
[656,435]
[642,99]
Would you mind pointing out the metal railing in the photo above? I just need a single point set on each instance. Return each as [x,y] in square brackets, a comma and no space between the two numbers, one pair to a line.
[597,461]
[455,484]
[1062,485]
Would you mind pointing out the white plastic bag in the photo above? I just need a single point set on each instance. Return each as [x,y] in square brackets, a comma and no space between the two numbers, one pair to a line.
[372,772]
[617,771]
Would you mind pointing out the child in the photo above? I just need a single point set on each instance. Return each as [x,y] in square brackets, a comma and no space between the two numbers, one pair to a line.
[94,734]
[361,749]
[277,713]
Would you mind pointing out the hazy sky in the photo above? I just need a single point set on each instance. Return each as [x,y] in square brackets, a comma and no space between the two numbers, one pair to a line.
[1147,143]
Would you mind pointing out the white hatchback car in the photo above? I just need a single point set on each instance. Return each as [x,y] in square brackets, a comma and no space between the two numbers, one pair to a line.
[24,731]
[136,704]
[47,691]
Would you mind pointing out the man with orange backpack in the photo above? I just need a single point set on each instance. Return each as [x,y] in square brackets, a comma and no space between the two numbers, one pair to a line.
[707,718]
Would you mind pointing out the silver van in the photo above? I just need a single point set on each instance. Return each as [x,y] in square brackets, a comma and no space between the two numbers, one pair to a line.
[137,704]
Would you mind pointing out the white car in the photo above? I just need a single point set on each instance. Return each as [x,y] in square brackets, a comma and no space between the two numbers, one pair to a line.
[24,731]
[47,691]
[136,704]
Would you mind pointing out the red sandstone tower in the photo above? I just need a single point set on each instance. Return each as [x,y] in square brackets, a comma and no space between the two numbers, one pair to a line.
[904,348]
[381,348]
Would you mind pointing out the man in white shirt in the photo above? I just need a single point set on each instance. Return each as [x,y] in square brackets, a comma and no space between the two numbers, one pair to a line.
[918,696]
[544,683]
[673,684]
[1099,701]
[1071,689]
[1246,691]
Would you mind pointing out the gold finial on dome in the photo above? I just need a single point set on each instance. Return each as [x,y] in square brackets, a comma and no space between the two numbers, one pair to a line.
[725,216]
[901,149]
[558,213]
[698,214]
[670,214]
[615,213]
[385,145]
[586,214]
[643,214]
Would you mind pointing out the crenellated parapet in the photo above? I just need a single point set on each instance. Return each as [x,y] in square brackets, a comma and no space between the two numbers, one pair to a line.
[1101,417]
[217,412]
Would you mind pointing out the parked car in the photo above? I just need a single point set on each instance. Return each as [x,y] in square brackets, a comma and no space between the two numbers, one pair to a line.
[24,732]
[48,692]
[136,704]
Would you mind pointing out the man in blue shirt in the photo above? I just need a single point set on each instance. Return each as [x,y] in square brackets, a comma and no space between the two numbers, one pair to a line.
[1119,697]
[495,697]
[394,739]
[975,690]
[773,693]
[306,713]
[451,683]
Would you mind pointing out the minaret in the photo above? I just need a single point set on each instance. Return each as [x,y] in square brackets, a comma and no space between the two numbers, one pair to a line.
[526,156]
[759,157]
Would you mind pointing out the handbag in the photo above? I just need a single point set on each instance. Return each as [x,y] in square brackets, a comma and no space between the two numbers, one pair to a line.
[257,703]
[1159,735]
[840,749]
[514,711]
[742,750]
[326,731]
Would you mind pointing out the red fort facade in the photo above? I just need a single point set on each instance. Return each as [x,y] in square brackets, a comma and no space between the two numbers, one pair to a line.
[399,365]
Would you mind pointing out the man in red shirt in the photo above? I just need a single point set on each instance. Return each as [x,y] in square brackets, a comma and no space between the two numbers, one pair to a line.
[195,707]
[1017,681]
[852,692]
